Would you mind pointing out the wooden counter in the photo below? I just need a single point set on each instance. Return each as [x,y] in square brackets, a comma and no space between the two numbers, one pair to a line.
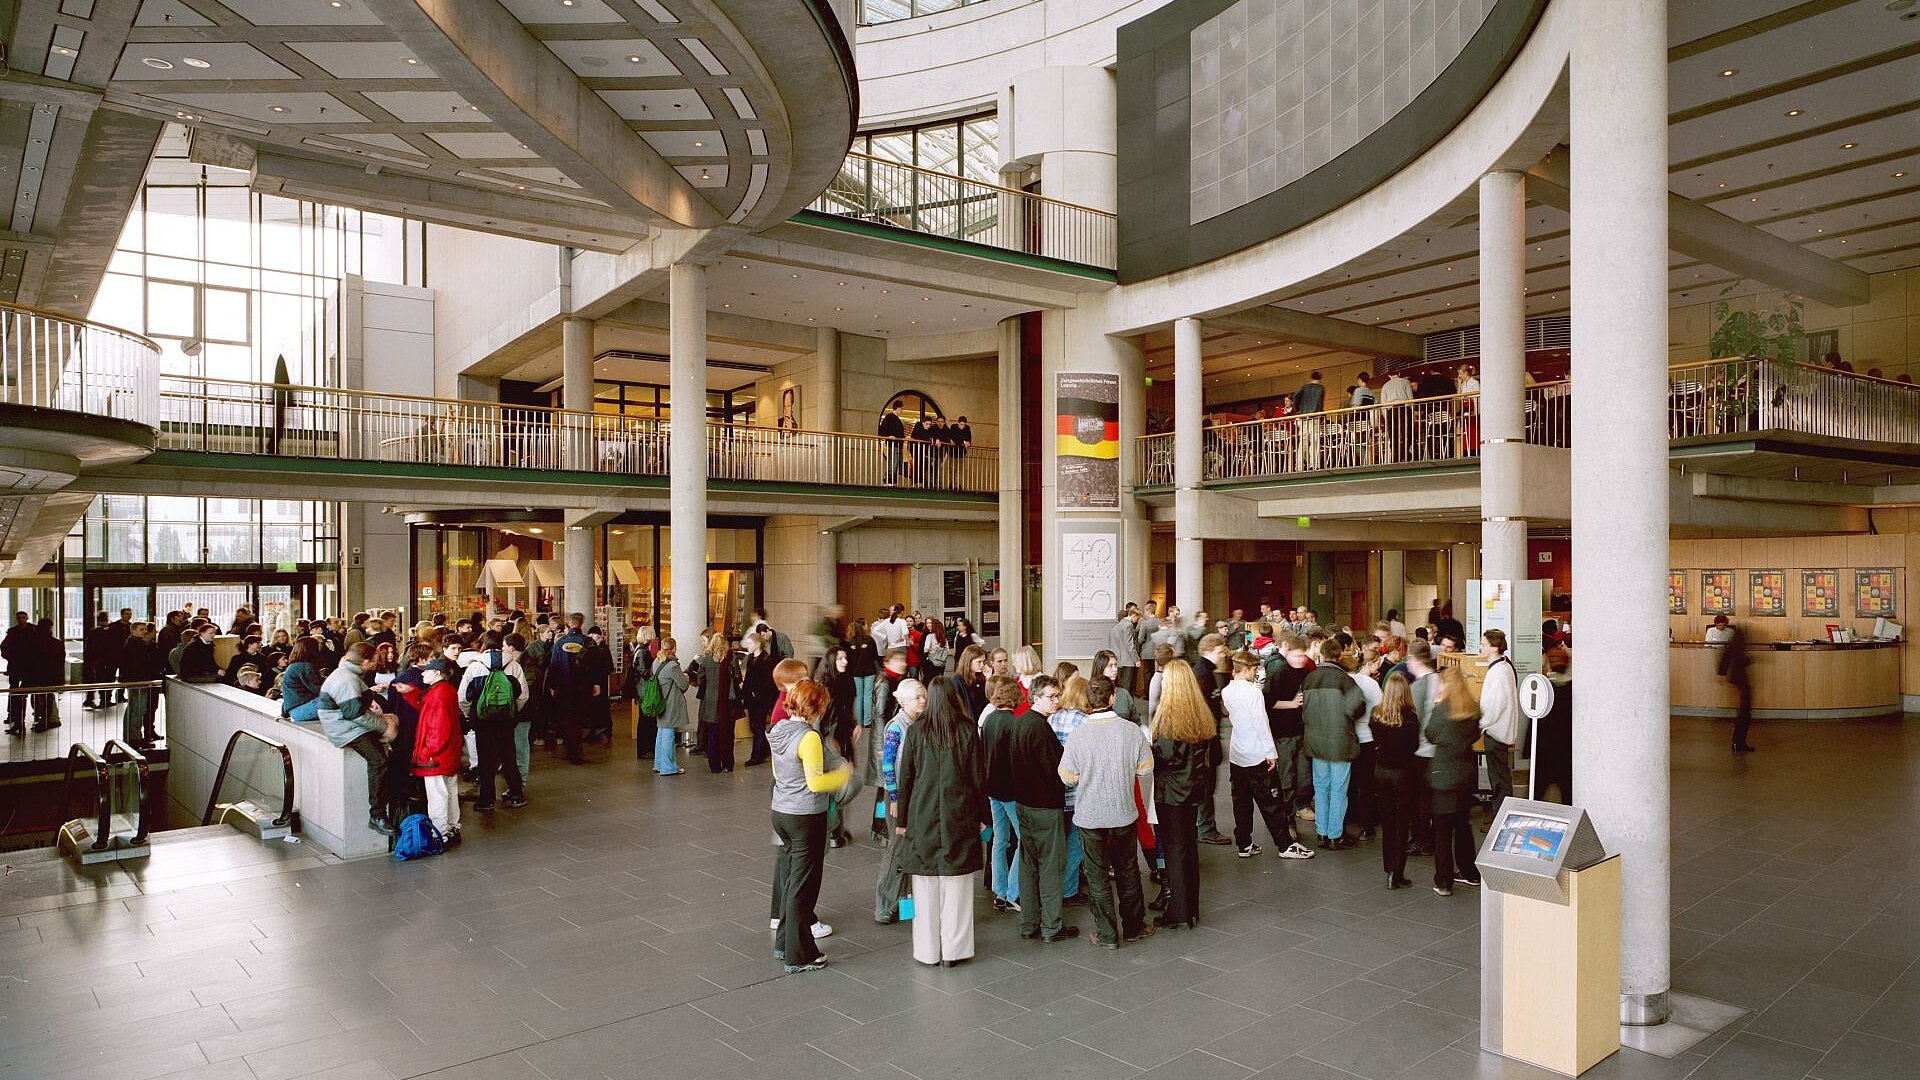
[1803,682]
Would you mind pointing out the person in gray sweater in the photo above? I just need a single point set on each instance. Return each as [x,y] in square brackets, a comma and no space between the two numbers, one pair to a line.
[353,720]
[1102,758]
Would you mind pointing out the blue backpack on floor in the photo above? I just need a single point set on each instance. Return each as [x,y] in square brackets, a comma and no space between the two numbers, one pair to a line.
[417,839]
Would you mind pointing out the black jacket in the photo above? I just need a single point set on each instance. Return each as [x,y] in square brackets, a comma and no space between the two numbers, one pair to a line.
[1035,763]
[943,801]
[196,661]
[141,659]
[996,739]
[1393,747]
[1283,682]
[756,677]
[1209,677]
[1453,766]
[100,651]
[1182,772]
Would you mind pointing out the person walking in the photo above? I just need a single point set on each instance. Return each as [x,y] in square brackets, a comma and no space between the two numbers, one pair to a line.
[1395,726]
[1103,757]
[1452,730]
[802,787]
[943,808]
[1184,736]
[1732,667]
[863,665]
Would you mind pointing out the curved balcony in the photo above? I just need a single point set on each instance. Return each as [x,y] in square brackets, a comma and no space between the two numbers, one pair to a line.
[73,393]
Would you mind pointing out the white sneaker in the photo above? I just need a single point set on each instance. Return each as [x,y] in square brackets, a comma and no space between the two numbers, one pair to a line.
[1297,851]
[821,930]
[773,924]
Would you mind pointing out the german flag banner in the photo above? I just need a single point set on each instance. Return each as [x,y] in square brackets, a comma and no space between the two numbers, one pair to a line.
[1087,439]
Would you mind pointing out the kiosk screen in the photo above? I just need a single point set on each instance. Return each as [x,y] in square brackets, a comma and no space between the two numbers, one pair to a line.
[1534,837]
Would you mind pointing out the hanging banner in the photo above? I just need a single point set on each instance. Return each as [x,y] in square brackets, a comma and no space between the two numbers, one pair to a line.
[1087,439]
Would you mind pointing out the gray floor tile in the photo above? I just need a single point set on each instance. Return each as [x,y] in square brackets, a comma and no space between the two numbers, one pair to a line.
[1198,1065]
[1357,999]
[1751,1057]
[1388,1044]
[1060,1060]
[1811,1015]
[1054,1020]
[1864,1057]
[1286,1033]
[1154,1033]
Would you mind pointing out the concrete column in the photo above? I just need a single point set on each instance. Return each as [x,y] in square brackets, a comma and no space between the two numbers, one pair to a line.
[1503,374]
[826,387]
[1618,114]
[576,562]
[576,387]
[1189,450]
[1463,564]
[1013,518]
[687,448]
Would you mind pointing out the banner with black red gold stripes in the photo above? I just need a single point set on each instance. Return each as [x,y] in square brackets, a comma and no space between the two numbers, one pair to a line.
[1087,439]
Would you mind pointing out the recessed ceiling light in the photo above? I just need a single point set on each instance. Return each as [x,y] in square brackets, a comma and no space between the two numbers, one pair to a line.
[276,108]
[796,277]
[839,309]
[1729,73]
[633,60]
[535,530]
[341,4]
[1899,174]
[194,62]
[699,143]
[1795,112]
[156,63]
[843,283]
[566,3]
[410,60]
[1848,145]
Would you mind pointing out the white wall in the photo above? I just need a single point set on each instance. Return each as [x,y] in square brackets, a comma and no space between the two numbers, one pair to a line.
[396,338]
[491,290]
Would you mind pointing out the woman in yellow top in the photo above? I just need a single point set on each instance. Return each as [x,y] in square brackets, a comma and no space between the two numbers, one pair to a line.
[803,786]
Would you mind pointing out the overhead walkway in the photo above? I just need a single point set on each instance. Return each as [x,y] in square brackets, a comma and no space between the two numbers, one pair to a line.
[358,445]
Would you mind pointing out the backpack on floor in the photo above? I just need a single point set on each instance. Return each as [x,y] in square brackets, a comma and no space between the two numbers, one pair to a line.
[417,839]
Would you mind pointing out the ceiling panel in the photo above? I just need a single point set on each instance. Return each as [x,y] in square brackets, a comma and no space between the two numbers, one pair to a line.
[477,145]
[560,11]
[1846,95]
[657,106]
[1690,20]
[1829,40]
[620,58]
[693,142]
[364,59]
[303,12]
[288,108]
[428,107]
[1801,157]
[199,61]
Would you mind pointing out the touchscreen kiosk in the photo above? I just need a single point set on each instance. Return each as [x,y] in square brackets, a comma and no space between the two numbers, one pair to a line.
[1533,845]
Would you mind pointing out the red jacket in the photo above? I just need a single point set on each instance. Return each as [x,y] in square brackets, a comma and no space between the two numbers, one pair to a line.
[437,741]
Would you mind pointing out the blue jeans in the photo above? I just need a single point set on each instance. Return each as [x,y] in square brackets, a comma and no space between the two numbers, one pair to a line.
[523,745]
[309,710]
[1071,881]
[863,700]
[1006,832]
[664,741]
[1330,779]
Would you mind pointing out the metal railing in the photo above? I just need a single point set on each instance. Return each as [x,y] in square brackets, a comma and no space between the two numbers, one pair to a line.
[1728,397]
[227,417]
[74,712]
[50,361]
[1420,431]
[902,196]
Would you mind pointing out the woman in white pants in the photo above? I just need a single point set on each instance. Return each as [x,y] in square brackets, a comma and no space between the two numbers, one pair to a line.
[942,809]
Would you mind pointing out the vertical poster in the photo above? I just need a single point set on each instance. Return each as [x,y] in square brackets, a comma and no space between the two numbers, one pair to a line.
[1087,439]
[1873,594]
[1676,592]
[1089,586]
[1716,592]
[989,603]
[1767,593]
[1820,593]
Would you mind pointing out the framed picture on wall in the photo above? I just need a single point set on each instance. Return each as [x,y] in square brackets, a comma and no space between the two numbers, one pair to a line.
[1767,593]
[1873,594]
[1820,593]
[1716,592]
[1676,592]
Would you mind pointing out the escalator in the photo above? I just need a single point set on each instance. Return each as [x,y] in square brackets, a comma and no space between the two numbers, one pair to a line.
[253,792]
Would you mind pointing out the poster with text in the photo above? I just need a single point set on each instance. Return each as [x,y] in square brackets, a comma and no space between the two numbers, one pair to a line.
[1087,439]
[1089,586]
[1767,593]
[1716,592]
[1873,594]
[1676,592]
[1820,593]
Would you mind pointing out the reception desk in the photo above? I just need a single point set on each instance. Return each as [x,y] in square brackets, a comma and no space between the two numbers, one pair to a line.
[1791,680]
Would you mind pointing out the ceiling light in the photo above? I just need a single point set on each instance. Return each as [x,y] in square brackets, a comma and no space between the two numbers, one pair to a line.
[157,64]
[1729,73]
[1795,112]
[276,108]
[697,143]
[633,60]
[566,3]
[796,277]
[743,266]
[1848,145]
[410,60]
[535,530]
[1900,174]
[194,62]
[342,4]
[839,309]
[843,283]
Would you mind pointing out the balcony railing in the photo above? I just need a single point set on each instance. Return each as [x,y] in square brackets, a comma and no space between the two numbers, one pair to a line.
[49,361]
[226,417]
[1705,400]
[907,197]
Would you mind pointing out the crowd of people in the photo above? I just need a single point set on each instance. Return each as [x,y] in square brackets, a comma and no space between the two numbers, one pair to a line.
[920,453]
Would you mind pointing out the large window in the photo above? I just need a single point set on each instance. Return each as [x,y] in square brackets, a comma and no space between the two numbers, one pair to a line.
[965,147]
[874,12]
[127,532]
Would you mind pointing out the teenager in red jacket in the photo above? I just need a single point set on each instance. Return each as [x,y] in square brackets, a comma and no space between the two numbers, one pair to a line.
[436,750]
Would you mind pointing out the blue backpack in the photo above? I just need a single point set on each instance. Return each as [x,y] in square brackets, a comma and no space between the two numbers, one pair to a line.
[417,839]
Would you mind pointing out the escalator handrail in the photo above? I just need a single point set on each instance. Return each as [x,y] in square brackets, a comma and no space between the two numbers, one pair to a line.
[113,749]
[286,771]
[103,793]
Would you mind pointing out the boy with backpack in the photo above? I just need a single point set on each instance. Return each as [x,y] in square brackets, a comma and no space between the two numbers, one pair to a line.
[436,750]
[492,692]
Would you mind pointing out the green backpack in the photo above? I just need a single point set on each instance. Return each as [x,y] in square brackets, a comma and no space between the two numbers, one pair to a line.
[653,700]
[497,698]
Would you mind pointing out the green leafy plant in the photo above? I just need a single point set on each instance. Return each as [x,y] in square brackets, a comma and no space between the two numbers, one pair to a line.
[1774,333]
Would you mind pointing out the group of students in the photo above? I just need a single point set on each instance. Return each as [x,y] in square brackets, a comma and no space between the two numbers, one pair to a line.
[919,453]
[1057,784]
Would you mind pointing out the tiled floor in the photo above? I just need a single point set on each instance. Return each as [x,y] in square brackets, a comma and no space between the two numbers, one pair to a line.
[616,929]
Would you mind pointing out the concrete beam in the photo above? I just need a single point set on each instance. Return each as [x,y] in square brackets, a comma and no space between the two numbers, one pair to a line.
[1691,515]
[486,54]
[914,266]
[961,345]
[1714,238]
[1225,517]
[1321,330]
[1758,489]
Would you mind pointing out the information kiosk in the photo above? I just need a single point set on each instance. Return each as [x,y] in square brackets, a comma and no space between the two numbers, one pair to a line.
[1550,939]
